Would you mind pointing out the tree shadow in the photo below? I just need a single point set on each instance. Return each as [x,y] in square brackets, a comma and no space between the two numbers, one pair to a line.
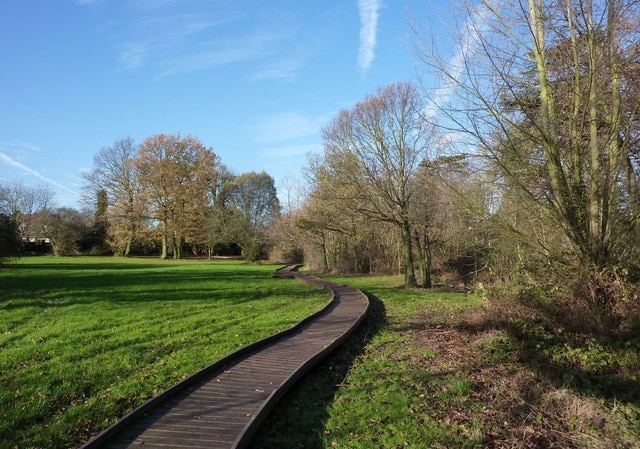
[121,284]
[588,363]
[592,364]
[298,419]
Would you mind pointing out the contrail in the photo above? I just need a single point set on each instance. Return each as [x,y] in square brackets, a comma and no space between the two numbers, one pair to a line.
[9,161]
[369,24]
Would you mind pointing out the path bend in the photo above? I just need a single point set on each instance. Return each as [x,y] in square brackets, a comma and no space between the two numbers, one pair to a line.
[222,405]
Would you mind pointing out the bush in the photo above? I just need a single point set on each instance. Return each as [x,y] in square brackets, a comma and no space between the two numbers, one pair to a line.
[10,240]
[604,302]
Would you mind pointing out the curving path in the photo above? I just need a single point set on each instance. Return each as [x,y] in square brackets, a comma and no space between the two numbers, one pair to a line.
[222,405]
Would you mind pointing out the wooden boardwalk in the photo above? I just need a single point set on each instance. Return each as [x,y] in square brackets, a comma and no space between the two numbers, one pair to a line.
[222,405]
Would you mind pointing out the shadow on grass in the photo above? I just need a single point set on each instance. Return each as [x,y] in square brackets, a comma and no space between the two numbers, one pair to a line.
[593,365]
[298,419]
[51,285]
[588,363]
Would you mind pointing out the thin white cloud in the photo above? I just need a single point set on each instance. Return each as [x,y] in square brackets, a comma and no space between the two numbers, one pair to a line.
[133,55]
[173,28]
[473,29]
[281,71]
[368,10]
[208,59]
[12,162]
[288,151]
[175,37]
[153,4]
[157,30]
[20,146]
[286,126]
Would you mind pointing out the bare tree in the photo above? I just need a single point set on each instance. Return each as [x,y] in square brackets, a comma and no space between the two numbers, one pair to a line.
[16,198]
[23,203]
[372,152]
[114,174]
[548,90]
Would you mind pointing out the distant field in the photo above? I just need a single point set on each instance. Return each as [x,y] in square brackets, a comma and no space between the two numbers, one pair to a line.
[85,340]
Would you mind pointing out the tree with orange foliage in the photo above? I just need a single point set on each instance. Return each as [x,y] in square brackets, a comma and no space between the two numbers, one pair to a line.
[175,173]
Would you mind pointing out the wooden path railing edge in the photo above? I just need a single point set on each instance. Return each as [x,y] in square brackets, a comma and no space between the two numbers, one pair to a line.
[107,434]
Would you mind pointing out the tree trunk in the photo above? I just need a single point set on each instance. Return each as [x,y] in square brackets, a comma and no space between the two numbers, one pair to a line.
[407,247]
[177,246]
[325,255]
[425,259]
[164,241]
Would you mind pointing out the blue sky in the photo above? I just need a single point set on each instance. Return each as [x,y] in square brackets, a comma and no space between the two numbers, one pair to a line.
[253,80]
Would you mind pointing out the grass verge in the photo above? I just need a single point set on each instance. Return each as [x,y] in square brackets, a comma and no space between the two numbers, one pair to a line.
[85,340]
[434,369]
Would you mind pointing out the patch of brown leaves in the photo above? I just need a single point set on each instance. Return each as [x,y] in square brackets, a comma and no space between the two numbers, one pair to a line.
[512,405]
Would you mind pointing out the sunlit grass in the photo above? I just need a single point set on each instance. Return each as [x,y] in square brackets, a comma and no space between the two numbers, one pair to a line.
[369,395]
[380,403]
[85,340]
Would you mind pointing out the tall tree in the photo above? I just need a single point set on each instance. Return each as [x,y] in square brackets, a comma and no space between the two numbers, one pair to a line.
[114,174]
[548,90]
[254,195]
[95,241]
[175,174]
[216,219]
[285,235]
[373,150]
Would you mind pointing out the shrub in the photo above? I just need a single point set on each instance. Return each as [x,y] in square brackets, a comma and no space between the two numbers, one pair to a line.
[604,302]
[593,301]
[10,240]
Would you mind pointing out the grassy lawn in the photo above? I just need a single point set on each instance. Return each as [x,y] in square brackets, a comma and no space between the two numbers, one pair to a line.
[85,340]
[434,369]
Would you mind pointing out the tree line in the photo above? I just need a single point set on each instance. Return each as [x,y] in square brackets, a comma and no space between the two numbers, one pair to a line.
[168,195]
[520,170]
[385,197]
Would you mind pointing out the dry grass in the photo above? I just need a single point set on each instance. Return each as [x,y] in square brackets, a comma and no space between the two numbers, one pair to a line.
[521,407]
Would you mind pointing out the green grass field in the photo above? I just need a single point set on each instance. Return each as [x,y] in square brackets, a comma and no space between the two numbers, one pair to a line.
[85,340]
